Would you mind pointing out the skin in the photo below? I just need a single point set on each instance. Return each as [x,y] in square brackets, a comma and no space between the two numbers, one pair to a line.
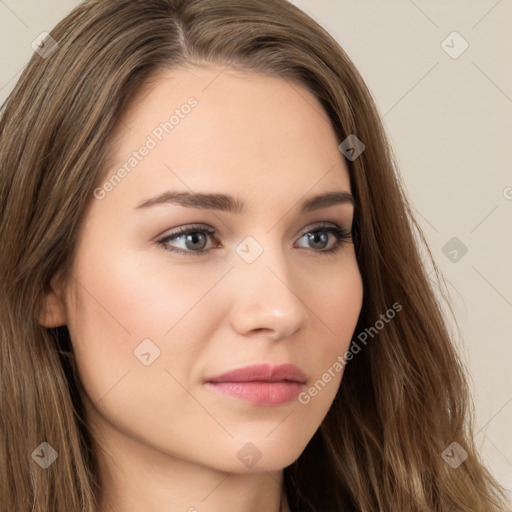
[163,440]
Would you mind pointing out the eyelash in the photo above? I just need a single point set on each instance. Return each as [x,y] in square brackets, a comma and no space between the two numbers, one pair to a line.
[342,236]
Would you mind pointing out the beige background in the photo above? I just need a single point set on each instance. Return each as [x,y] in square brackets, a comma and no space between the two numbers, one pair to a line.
[450,123]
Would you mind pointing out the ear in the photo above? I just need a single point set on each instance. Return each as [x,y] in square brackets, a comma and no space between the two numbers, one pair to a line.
[53,313]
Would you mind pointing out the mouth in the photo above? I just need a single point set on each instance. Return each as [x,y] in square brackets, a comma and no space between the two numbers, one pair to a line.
[260,384]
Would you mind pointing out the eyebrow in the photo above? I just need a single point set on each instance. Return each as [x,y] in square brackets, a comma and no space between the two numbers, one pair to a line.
[223,202]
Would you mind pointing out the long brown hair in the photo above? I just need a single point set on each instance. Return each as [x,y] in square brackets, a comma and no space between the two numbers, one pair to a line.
[403,399]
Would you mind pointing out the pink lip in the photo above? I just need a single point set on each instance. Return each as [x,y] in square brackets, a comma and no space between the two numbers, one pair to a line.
[260,384]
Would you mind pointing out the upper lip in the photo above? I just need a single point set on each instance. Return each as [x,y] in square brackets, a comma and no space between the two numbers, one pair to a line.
[262,372]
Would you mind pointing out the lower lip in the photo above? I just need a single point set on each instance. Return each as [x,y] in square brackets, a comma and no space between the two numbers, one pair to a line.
[258,392]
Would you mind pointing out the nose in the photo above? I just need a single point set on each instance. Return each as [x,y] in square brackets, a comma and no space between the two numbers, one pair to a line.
[267,298]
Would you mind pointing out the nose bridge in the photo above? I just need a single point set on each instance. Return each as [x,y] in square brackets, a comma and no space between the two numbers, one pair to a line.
[266,295]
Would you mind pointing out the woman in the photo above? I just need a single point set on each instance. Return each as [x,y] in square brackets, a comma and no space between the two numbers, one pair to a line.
[298,360]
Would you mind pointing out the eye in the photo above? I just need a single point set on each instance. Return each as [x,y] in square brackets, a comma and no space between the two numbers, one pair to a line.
[195,239]
[318,238]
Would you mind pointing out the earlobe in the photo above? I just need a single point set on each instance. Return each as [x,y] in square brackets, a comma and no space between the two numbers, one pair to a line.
[53,311]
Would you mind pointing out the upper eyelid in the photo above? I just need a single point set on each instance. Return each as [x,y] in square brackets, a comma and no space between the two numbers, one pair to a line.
[181,230]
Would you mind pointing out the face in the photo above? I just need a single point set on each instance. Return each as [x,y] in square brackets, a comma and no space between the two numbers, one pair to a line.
[155,312]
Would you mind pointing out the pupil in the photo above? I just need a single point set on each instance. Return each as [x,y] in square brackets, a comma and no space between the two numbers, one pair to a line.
[319,236]
[194,239]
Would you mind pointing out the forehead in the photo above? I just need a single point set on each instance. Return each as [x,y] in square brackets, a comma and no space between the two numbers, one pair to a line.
[216,127]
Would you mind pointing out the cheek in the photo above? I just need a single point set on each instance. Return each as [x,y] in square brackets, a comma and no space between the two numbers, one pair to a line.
[121,302]
[339,307]
[336,309]
[124,311]
[137,295]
